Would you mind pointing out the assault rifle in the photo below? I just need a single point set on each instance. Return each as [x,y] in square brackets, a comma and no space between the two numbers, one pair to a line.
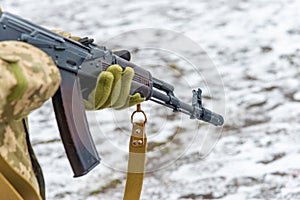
[82,60]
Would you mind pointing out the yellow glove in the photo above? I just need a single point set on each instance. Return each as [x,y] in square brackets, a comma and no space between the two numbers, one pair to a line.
[112,90]
[113,85]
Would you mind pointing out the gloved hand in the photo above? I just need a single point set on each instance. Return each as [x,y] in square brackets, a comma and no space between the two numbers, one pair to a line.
[113,85]
[112,90]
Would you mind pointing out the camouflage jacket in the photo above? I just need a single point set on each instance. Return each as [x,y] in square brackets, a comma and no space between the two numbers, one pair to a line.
[28,78]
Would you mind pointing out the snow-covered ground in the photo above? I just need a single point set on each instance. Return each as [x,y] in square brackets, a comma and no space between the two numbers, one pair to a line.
[253,73]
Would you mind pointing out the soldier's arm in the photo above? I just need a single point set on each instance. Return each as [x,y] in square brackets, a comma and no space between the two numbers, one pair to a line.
[28,78]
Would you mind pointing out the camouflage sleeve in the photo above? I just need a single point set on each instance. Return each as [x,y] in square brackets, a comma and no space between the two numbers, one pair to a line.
[28,78]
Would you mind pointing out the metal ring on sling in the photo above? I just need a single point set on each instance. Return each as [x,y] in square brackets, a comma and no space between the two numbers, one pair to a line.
[138,110]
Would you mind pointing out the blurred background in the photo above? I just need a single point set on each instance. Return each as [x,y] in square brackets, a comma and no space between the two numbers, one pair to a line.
[245,56]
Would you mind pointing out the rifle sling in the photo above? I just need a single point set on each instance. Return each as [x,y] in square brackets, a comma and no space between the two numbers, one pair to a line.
[19,187]
[7,190]
[136,160]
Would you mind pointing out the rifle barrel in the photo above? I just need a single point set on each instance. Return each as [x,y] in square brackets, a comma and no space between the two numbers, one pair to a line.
[200,113]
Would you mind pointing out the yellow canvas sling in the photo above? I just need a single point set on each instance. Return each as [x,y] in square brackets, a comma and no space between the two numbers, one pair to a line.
[8,192]
[136,158]
[21,188]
